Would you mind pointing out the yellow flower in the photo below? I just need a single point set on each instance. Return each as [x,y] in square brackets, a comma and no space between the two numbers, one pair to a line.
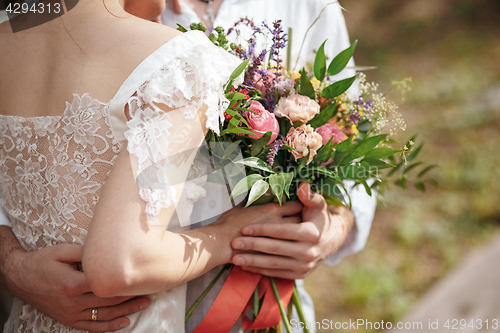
[315,83]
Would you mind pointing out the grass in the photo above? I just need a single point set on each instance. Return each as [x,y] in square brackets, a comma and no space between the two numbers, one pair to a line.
[451,51]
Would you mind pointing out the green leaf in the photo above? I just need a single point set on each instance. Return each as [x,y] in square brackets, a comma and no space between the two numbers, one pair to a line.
[255,163]
[376,163]
[235,96]
[181,28]
[367,144]
[245,184]
[420,186]
[236,130]
[320,63]
[306,87]
[401,183]
[342,151]
[382,152]
[414,153]
[333,190]
[239,69]
[427,169]
[326,114]
[288,177]
[332,201]
[325,151]
[259,144]
[258,189]
[408,168]
[354,172]
[338,88]
[277,183]
[367,188]
[341,60]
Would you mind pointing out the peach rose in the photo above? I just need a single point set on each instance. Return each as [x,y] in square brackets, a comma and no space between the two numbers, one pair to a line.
[261,122]
[304,139]
[297,108]
[328,130]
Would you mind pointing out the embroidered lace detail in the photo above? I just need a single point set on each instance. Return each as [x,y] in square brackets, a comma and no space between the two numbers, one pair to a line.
[51,171]
[185,83]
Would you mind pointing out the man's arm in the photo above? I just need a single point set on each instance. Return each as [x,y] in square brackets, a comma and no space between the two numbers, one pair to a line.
[49,280]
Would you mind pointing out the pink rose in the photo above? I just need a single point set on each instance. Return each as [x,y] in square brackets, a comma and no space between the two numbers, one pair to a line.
[297,108]
[328,130]
[305,141]
[259,81]
[261,122]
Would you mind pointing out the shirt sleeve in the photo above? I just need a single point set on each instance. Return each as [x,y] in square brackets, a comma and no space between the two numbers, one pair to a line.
[185,84]
[363,207]
[4,220]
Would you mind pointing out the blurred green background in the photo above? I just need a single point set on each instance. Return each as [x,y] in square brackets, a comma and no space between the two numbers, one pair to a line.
[451,50]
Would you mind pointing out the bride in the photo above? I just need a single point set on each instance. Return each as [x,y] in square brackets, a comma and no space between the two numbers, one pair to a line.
[95,104]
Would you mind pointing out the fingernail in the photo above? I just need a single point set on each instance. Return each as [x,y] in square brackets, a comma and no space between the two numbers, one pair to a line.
[123,324]
[239,245]
[144,305]
[247,231]
[239,261]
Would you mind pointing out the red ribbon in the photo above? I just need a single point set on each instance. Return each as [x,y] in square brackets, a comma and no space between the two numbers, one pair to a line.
[234,300]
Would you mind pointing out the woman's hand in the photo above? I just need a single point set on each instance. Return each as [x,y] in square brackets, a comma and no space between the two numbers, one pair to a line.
[294,250]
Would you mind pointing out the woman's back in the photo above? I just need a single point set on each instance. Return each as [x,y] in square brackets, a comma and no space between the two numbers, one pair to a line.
[91,49]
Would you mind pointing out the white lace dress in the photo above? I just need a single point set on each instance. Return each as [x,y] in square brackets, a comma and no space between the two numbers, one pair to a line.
[52,169]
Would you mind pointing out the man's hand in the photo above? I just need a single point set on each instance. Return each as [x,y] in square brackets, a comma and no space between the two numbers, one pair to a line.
[49,280]
[294,249]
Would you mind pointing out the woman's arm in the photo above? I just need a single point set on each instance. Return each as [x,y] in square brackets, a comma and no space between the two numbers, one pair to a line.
[124,254]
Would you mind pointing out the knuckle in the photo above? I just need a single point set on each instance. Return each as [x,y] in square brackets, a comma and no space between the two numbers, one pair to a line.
[311,254]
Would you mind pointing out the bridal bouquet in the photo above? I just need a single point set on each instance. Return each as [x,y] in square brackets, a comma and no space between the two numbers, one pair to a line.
[305,126]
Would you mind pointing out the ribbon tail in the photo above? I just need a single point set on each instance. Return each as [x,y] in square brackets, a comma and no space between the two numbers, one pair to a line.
[269,314]
[230,303]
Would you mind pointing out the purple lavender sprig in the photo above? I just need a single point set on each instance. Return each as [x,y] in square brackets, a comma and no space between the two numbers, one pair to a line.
[276,145]
[250,53]
[279,42]
[253,68]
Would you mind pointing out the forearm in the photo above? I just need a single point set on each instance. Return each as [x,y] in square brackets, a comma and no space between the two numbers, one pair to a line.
[10,259]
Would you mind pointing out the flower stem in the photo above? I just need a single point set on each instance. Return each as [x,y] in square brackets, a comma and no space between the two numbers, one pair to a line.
[298,306]
[206,291]
[282,310]
[256,302]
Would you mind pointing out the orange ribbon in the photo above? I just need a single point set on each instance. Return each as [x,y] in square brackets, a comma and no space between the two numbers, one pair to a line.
[234,300]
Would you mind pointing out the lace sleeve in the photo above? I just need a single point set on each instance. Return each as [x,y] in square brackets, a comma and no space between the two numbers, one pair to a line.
[184,85]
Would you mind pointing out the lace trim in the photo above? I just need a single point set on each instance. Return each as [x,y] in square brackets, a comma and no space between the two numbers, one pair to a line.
[186,83]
